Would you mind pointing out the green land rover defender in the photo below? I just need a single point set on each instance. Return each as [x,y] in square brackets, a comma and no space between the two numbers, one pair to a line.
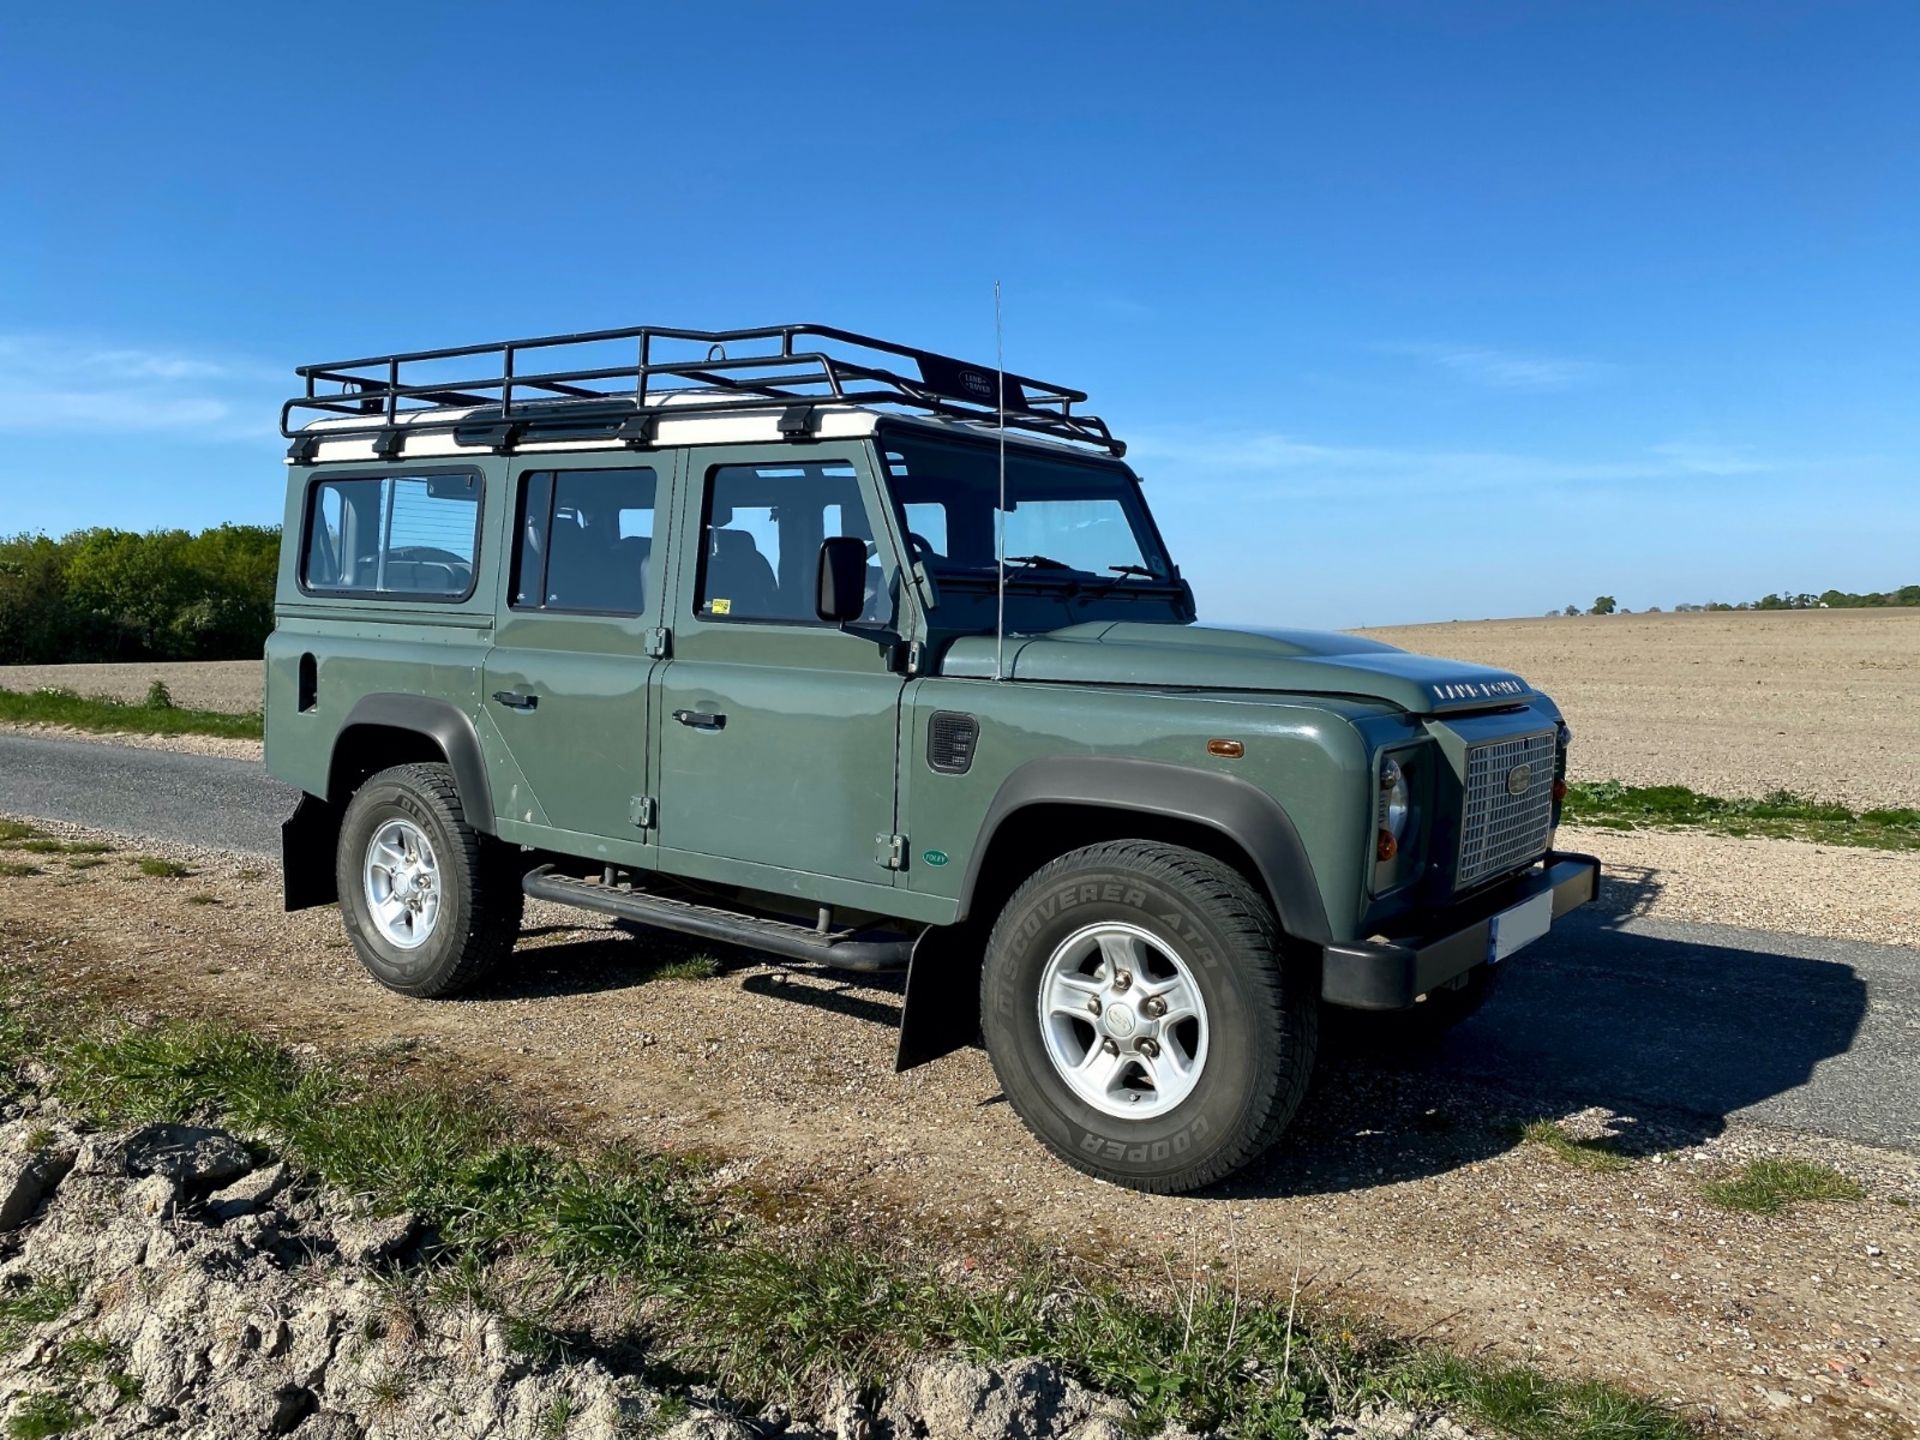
[868,658]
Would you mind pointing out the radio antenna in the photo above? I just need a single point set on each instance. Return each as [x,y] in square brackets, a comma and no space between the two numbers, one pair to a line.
[1000,513]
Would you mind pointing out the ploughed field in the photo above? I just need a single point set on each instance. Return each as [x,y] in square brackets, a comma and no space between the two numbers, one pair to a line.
[1825,703]
[235,686]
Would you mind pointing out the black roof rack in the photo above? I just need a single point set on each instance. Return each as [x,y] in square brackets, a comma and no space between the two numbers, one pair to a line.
[786,364]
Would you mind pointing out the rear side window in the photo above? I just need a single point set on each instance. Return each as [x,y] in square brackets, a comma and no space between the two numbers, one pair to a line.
[585,541]
[394,535]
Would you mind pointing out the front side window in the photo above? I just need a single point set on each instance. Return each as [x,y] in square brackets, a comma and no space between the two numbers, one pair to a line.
[585,540]
[394,535]
[761,541]
[1068,521]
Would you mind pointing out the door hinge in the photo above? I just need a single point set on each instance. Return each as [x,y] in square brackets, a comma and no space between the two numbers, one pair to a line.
[641,812]
[659,643]
[890,852]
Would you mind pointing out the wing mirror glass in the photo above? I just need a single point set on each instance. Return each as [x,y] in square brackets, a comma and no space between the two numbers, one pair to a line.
[843,579]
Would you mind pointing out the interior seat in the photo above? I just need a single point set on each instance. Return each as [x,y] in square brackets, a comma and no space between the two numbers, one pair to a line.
[738,573]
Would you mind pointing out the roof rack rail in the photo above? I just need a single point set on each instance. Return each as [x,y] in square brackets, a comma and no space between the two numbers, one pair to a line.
[789,366]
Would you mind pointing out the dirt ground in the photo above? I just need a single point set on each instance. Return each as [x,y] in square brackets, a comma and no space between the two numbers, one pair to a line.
[1398,1195]
[1824,702]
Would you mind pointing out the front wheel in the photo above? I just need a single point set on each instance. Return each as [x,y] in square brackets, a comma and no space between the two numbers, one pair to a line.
[1141,1017]
[429,903]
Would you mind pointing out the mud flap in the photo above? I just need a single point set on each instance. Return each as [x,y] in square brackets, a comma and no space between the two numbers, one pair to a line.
[941,1013]
[308,840]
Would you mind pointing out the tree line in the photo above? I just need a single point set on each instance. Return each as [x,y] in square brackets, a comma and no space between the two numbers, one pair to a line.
[1799,600]
[107,595]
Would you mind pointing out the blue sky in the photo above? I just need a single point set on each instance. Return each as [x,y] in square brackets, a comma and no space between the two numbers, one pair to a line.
[1410,311]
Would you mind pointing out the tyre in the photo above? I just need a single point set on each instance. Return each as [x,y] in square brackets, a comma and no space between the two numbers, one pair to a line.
[1141,1018]
[1412,1032]
[429,903]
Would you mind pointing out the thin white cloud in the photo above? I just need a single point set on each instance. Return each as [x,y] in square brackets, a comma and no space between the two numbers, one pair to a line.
[1310,469]
[56,384]
[1494,369]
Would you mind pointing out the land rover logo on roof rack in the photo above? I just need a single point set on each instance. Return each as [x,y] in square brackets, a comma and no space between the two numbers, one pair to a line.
[978,383]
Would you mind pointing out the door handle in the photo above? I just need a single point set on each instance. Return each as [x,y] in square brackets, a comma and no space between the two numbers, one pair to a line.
[701,719]
[514,700]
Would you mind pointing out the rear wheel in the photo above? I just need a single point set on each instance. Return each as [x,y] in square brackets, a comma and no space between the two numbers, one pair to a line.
[429,903]
[1141,1018]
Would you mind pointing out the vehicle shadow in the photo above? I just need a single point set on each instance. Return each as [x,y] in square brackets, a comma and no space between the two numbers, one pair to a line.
[1661,1038]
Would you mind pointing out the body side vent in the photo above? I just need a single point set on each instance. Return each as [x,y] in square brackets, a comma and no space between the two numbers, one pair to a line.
[951,741]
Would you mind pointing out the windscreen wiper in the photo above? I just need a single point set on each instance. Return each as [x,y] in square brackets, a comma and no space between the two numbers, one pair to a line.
[1038,562]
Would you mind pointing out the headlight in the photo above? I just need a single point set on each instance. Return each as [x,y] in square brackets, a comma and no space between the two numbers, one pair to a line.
[1394,806]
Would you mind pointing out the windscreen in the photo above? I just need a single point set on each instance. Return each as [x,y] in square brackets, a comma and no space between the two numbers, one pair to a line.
[1067,520]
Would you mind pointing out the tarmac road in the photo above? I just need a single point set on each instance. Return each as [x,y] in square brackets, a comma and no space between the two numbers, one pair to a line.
[1613,1009]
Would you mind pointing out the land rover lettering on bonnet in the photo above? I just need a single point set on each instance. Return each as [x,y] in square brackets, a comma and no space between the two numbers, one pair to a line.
[867,658]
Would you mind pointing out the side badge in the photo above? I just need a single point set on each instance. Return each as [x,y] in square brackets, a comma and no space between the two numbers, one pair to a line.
[934,857]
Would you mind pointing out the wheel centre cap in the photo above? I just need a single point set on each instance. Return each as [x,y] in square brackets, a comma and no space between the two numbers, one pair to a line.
[1120,1020]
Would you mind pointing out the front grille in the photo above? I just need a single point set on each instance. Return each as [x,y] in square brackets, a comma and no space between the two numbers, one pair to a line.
[1500,829]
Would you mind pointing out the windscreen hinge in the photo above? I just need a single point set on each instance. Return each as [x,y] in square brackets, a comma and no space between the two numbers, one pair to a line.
[890,852]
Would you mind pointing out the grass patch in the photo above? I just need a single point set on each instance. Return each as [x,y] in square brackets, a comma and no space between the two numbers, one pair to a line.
[33,1304]
[101,715]
[18,869]
[1781,815]
[12,830]
[46,845]
[686,967]
[39,1417]
[203,900]
[1586,1154]
[162,869]
[1521,1402]
[85,862]
[1766,1187]
[713,1296]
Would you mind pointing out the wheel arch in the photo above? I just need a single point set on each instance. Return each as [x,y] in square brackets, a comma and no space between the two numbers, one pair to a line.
[1065,803]
[381,731]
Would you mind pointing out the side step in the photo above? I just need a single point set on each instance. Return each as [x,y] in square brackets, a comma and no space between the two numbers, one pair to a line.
[841,949]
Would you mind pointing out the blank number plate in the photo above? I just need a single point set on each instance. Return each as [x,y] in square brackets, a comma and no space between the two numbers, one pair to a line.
[1522,925]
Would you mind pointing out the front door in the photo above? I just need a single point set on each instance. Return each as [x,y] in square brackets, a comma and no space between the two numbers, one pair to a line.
[566,688]
[777,731]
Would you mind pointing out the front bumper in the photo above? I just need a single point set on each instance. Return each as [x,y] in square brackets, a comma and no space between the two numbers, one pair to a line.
[1391,974]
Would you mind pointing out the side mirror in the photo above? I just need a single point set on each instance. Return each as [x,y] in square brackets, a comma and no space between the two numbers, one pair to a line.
[843,579]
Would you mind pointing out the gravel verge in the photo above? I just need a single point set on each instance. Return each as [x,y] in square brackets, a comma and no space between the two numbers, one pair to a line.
[1400,1194]
[222,746]
[1840,892]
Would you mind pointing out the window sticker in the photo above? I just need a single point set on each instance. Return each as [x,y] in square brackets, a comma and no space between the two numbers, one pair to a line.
[721,607]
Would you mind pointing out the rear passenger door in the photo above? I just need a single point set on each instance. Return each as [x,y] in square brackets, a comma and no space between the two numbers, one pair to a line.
[565,698]
[777,731]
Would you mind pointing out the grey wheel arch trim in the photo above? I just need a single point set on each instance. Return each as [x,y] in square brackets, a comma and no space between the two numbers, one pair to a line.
[1243,813]
[448,727]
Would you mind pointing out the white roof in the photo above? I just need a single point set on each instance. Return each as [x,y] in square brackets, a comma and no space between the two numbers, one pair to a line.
[759,425]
